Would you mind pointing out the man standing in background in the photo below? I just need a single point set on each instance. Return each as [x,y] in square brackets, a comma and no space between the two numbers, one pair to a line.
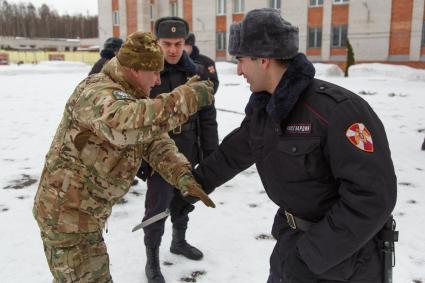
[207,63]
[196,138]
[110,49]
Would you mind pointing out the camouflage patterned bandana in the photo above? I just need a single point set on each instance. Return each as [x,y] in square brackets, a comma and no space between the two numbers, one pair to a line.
[141,52]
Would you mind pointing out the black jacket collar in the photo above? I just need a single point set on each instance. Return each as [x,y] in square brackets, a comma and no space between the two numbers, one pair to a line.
[297,77]
[107,54]
[195,53]
[185,64]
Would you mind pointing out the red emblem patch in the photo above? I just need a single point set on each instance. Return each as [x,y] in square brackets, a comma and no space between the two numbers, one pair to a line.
[360,136]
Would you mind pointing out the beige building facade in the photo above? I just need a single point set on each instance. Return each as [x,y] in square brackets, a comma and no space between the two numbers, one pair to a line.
[386,31]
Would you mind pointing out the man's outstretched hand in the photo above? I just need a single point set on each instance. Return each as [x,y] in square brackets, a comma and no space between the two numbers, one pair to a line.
[189,187]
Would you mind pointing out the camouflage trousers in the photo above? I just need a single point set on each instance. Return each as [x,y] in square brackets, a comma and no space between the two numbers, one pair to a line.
[74,257]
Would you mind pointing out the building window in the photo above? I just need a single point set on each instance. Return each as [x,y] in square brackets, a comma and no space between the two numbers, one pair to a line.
[275,4]
[221,41]
[314,37]
[339,36]
[316,3]
[151,12]
[340,1]
[221,7]
[174,9]
[116,17]
[423,34]
[238,6]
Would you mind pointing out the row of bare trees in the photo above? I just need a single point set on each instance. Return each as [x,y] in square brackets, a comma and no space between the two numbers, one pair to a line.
[25,20]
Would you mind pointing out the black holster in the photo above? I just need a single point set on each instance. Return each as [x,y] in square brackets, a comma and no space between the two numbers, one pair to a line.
[387,237]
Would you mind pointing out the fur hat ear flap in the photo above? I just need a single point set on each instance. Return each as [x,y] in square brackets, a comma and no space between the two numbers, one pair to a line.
[235,39]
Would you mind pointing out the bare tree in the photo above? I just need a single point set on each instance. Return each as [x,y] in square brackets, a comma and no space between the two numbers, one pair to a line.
[28,21]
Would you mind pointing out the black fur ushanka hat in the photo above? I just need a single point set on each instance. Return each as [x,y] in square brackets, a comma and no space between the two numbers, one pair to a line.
[263,33]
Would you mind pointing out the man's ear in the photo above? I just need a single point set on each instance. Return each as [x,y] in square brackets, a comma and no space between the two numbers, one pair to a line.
[265,63]
[130,75]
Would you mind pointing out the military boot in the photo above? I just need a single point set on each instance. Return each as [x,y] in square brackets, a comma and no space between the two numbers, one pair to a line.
[152,269]
[181,247]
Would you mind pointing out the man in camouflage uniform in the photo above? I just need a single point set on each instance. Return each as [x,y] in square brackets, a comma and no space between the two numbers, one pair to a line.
[108,126]
[196,138]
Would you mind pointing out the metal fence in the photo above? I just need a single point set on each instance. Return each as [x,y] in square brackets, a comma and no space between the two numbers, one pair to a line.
[33,57]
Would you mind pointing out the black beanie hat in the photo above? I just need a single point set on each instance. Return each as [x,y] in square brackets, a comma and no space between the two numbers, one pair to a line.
[113,43]
[190,39]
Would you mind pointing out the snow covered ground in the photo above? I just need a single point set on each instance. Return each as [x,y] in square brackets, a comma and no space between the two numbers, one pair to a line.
[235,237]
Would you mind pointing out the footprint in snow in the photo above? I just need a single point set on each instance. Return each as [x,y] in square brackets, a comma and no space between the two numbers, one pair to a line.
[3,208]
[253,205]
[264,237]
[193,276]
[412,201]
[367,92]
[167,263]
[25,181]
[122,201]
[136,193]
[406,184]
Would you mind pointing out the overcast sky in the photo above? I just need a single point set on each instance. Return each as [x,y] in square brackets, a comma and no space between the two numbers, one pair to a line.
[65,6]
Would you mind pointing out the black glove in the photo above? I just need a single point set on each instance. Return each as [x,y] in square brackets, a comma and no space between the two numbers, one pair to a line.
[296,271]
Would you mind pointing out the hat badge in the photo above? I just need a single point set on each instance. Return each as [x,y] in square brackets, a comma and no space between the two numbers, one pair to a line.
[173,29]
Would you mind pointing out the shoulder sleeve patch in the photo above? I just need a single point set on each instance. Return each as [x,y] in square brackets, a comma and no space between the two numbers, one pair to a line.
[121,95]
[360,137]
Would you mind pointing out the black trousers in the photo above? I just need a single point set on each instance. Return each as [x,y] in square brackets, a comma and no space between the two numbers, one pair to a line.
[160,196]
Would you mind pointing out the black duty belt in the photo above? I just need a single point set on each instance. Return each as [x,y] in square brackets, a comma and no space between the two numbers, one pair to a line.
[191,126]
[297,223]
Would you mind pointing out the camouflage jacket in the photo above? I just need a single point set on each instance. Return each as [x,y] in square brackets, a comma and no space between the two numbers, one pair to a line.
[106,130]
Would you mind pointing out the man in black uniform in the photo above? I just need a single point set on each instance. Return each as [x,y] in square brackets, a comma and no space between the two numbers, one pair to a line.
[110,48]
[208,64]
[321,153]
[195,139]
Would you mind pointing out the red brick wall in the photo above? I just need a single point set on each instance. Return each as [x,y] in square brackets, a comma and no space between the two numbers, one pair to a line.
[339,18]
[314,51]
[115,29]
[187,12]
[220,54]
[314,19]
[220,24]
[401,25]
[315,16]
[338,51]
[237,17]
[340,14]
[131,16]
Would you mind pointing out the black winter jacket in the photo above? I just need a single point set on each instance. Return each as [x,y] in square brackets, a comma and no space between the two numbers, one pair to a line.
[105,56]
[208,69]
[203,124]
[299,140]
